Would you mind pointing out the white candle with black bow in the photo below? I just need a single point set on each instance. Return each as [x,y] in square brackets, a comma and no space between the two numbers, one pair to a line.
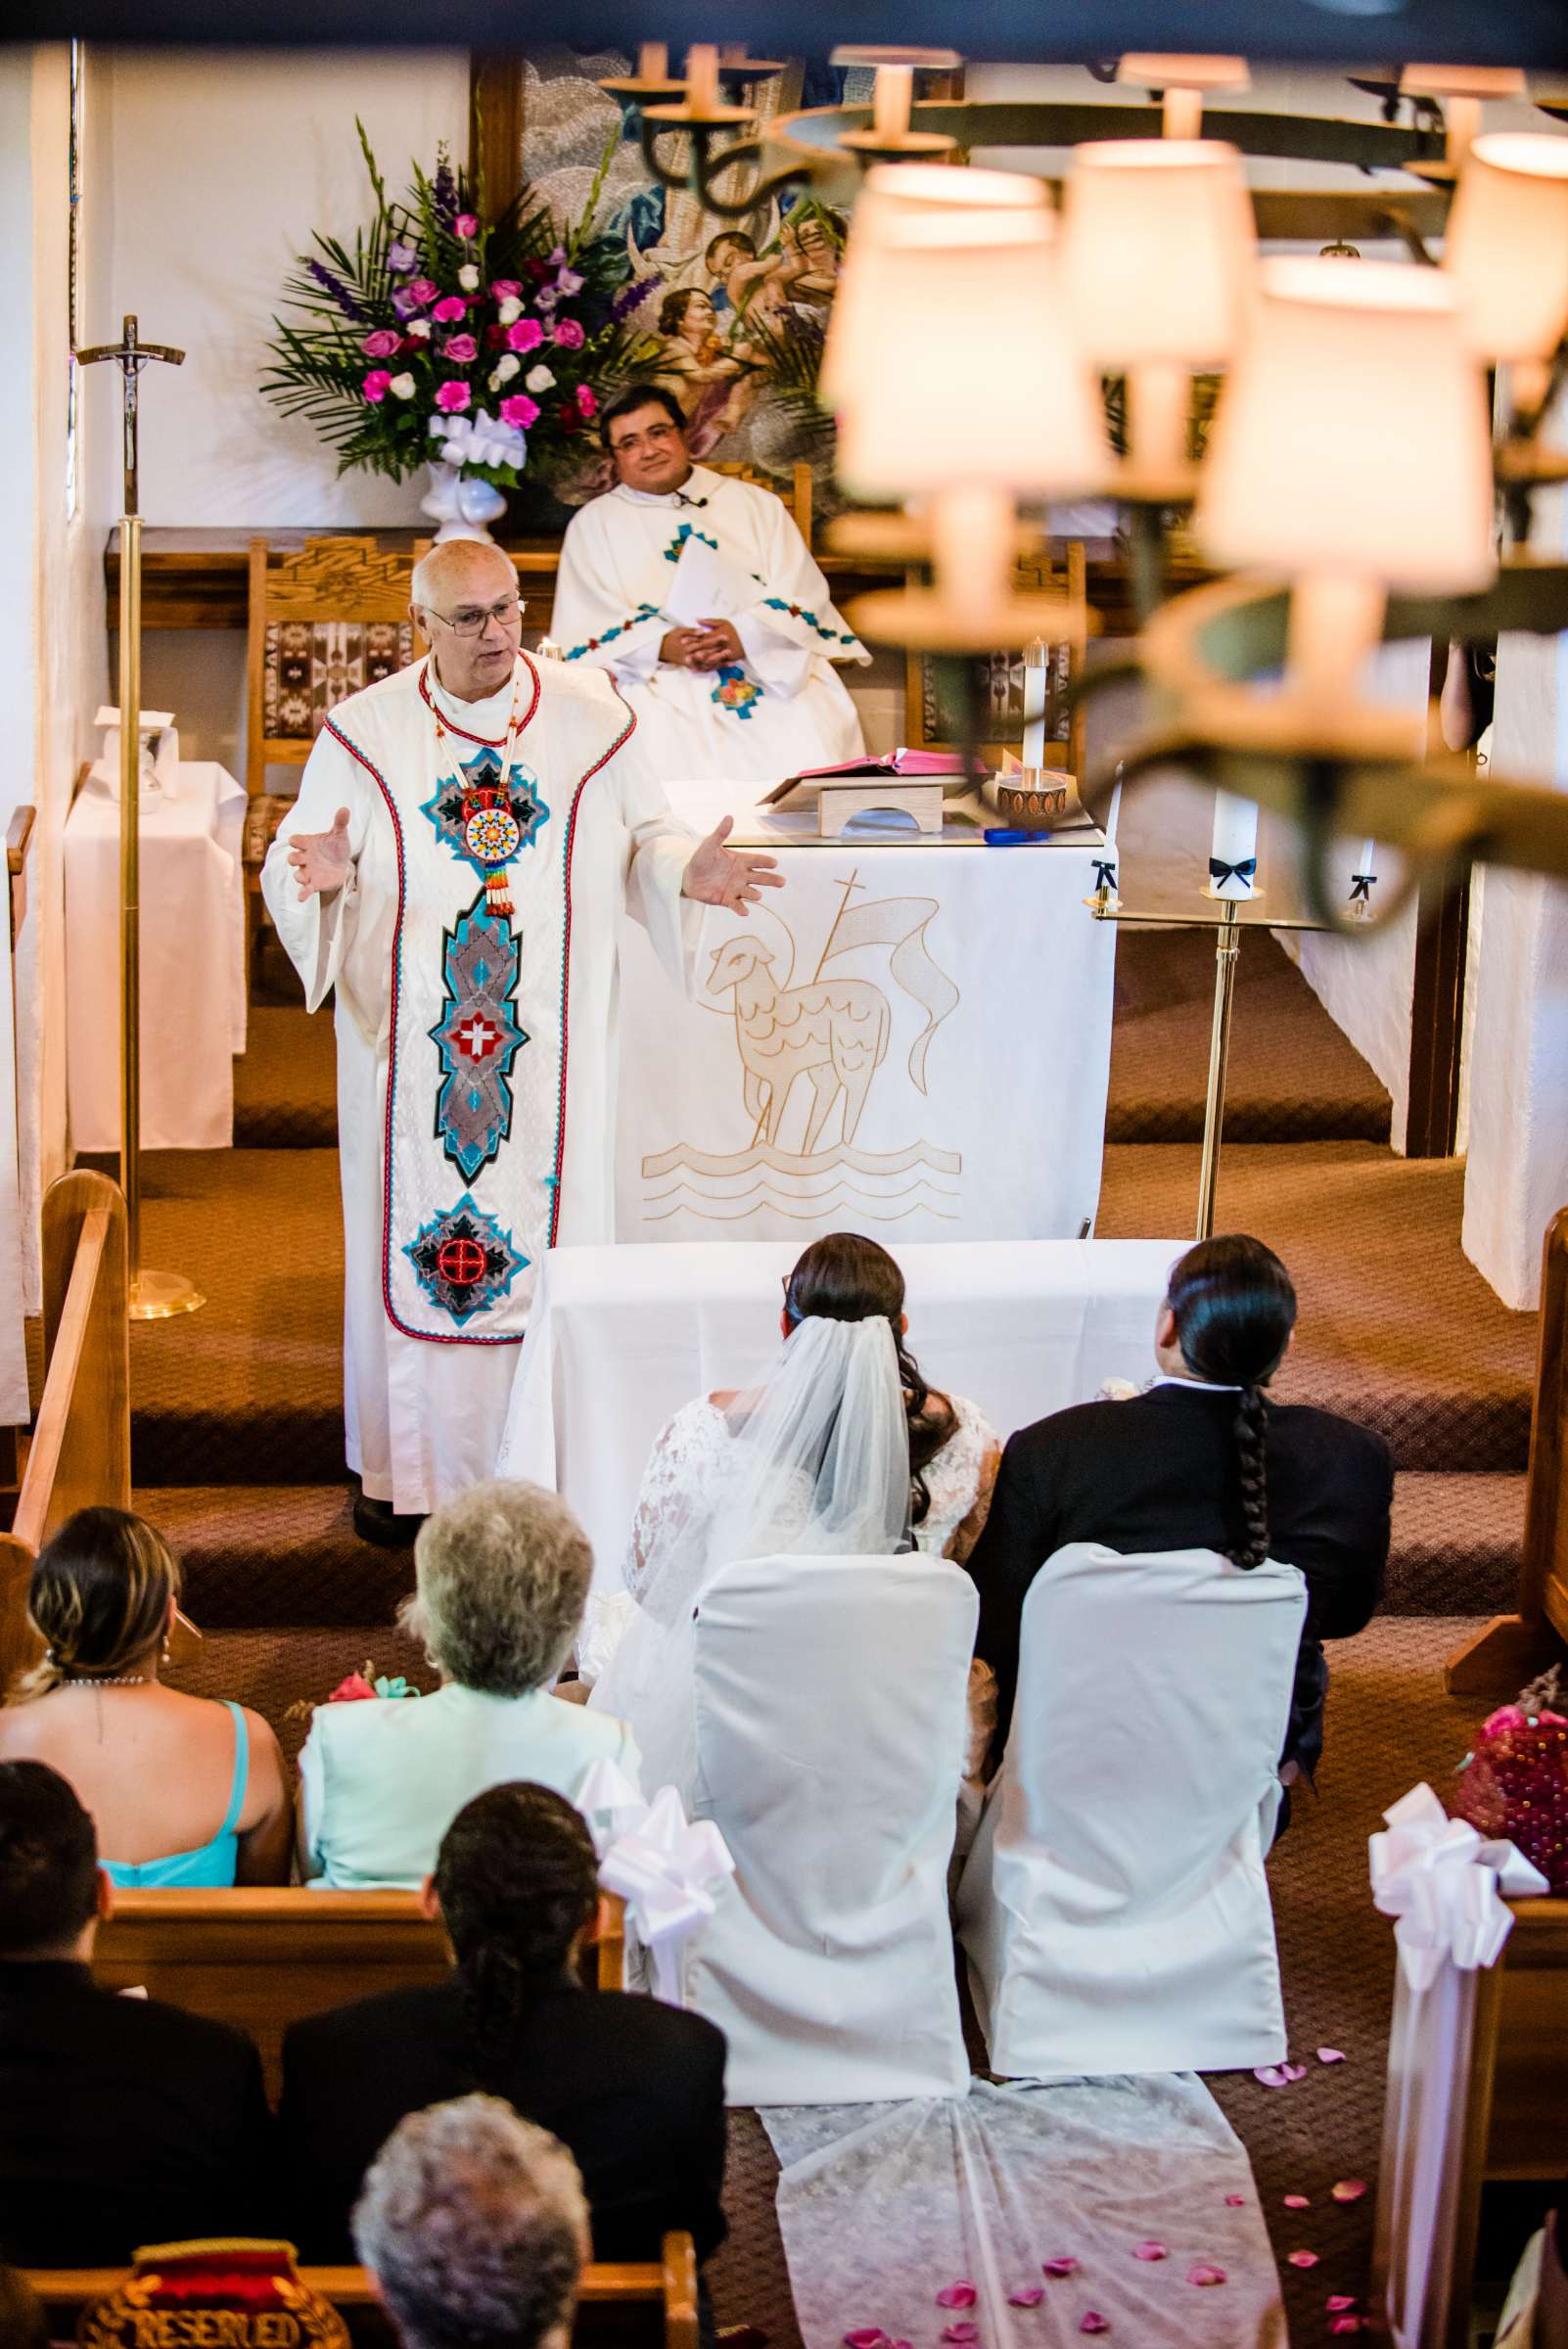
[1036,683]
[1234,849]
[1361,882]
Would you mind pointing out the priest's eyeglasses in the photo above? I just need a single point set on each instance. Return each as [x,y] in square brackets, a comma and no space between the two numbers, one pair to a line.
[469,621]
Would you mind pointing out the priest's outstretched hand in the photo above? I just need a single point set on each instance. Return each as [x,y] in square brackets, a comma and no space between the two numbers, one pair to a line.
[733,877]
[321,859]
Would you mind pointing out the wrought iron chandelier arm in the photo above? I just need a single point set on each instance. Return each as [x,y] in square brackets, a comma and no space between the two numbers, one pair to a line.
[704,170]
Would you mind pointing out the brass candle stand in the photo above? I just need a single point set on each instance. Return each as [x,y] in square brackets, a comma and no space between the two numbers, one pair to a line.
[1229,928]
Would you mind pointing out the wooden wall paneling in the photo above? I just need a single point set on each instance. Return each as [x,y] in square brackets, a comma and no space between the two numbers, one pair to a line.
[495,129]
[1437,1000]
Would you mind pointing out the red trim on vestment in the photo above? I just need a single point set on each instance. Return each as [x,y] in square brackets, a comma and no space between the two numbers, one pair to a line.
[442,718]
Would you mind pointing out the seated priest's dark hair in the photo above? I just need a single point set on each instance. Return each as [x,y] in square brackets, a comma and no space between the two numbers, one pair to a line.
[1234,1308]
[518,1883]
[641,395]
[47,1862]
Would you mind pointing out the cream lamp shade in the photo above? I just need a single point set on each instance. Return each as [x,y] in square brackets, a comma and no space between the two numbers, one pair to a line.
[1352,450]
[893,193]
[1159,253]
[1507,249]
[972,388]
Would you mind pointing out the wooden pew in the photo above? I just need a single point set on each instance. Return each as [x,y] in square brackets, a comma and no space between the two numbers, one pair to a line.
[621,2306]
[1509,2104]
[1512,1649]
[263,1957]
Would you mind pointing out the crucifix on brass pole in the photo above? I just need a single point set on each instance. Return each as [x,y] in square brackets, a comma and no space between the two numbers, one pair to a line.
[154,1296]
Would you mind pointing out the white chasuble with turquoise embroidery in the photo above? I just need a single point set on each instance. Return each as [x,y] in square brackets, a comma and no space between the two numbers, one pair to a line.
[779,707]
[472,955]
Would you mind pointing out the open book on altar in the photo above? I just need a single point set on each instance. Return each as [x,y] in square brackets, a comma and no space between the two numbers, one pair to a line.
[800,791]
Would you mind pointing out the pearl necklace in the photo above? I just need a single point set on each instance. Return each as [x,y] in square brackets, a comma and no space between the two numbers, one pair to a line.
[105,1680]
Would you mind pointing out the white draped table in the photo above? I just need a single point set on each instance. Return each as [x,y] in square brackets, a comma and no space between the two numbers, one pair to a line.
[620,1338]
[193,994]
[910,1040]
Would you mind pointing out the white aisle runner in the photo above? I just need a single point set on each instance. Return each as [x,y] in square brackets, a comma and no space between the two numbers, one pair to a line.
[883,2206]
[911,1042]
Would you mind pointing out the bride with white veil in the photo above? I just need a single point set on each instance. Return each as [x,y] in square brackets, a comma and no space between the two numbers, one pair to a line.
[843,1450]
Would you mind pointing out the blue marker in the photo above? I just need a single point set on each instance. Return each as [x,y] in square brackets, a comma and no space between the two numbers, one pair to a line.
[1000,838]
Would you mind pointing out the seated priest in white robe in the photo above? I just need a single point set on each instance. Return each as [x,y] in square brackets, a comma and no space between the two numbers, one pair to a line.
[697,593]
[467,834]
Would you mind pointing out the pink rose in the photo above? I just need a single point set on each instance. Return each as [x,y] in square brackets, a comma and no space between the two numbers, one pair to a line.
[377,385]
[568,333]
[527,334]
[452,398]
[381,344]
[450,307]
[506,288]
[519,411]
[461,348]
[423,289]
[467,224]
[587,405]
[353,1690]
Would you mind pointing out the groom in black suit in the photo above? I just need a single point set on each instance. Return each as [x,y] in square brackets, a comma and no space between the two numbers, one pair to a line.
[1165,1471]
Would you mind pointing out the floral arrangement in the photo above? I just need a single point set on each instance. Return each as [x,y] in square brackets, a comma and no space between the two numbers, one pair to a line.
[438,337]
[355,1689]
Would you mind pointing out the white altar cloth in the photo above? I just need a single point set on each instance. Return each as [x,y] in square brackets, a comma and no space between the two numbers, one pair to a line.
[910,1040]
[620,1338]
[193,987]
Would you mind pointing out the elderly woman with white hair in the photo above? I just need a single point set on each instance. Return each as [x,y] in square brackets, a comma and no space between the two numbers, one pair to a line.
[501,1579]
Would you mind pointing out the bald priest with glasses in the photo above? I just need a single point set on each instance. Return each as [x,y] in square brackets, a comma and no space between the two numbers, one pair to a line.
[465,836]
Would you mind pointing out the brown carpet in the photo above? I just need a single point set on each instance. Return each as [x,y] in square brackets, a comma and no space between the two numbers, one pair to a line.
[286,1082]
[1293,1076]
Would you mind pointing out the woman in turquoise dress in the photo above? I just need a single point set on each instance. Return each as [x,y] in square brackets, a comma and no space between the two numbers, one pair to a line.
[183,1790]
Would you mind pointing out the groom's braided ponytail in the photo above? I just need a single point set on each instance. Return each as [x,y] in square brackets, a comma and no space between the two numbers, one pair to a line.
[843,1277]
[1235,1310]
[518,1881]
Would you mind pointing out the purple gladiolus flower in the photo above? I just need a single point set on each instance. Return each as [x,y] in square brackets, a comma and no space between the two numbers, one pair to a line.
[444,193]
[629,298]
[569,281]
[401,254]
[404,303]
[340,293]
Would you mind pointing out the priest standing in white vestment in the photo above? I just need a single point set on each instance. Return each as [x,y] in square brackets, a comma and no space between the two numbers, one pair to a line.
[465,837]
[747,692]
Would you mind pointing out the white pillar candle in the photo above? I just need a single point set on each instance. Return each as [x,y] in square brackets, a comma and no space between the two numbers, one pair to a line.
[1036,675]
[1181,114]
[1234,842]
[702,76]
[891,99]
[653,62]
[1365,863]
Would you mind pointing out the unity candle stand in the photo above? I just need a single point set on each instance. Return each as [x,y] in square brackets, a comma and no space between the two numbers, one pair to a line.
[152,1296]
[1227,927]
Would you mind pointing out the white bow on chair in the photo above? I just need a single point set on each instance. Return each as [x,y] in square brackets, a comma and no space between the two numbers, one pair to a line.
[1445,1887]
[665,1868]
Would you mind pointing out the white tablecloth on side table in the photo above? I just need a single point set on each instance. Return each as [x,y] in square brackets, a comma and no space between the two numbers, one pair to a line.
[191,961]
[620,1338]
[943,1011]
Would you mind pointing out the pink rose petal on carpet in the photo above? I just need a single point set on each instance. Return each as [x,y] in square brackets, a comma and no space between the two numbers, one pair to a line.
[1203,2273]
[1348,2189]
[961,2294]
[1235,2201]
[1058,2267]
[1150,2251]
[1297,2202]
[865,2336]
[1093,2321]
[1271,2075]
[1294,2071]
[1348,2325]
[1301,2259]
[1030,2298]
[963,2336]
[1330,2056]
[1337,2303]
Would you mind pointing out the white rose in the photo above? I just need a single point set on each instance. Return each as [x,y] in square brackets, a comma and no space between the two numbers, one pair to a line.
[538,378]
[468,278]
[402,387]
[510,309]
[419,328]
[506,366]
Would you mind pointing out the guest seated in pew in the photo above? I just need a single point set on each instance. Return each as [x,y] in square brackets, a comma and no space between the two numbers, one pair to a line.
[473,2226]
[847,1449]
[501,1574]
[123,2121]
[183,1790]
[1201,1459]
[635,2089]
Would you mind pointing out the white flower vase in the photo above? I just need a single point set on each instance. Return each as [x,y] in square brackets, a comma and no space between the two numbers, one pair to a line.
[462,503]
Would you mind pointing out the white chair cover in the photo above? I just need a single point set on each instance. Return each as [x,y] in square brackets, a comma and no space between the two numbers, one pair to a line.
[830,1743]
[1114,1907]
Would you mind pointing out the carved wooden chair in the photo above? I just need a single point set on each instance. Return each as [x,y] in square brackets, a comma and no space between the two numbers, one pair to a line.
[324,622]
[797,501]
